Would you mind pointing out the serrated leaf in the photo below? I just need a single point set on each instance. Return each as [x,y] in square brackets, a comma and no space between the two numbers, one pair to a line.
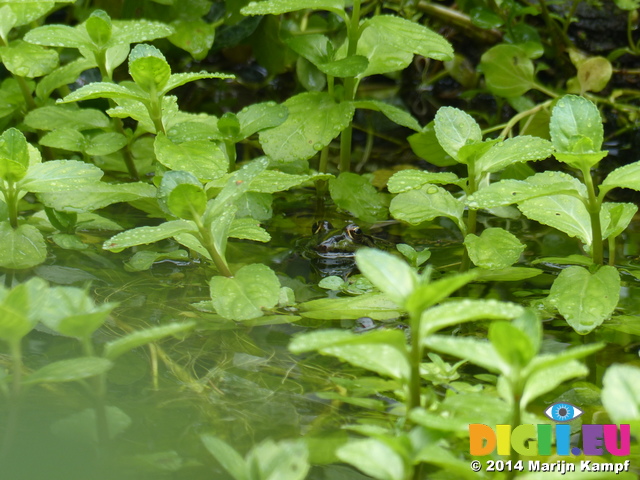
[494,249]
[137,31]
[259,116]
[563,212]
[64,139]
[248,229]
[411,179]
[179,79]
[383,351]
[424,204]
[522,148]
[393,113]
[576,126]
[620,216]
[194,36]
[145,235]
[245,295]
[63,75]
[58,36]
[467,310]
[271,181]
[426,146]
[584,299]
[114,349]
[96,195]
[148,68]
[388,273]
[99,27]
[202,158]
[103,90]
[455,129]
[60,175]
[314,120]
[51,117]
[627,176]
[187,201]
[277,7]
[376,306]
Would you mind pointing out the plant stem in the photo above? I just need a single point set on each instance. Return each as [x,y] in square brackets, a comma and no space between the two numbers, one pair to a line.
[612,250]
[207,242]
[516,118]
[472,214]
[230,148]
[350,87]
[415,357]
[11,200]
[593,207]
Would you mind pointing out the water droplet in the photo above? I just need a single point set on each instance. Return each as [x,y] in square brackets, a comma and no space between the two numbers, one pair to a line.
[432,189]
[317,146]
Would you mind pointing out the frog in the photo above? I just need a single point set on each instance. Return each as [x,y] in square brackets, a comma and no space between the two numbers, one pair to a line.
[332,251]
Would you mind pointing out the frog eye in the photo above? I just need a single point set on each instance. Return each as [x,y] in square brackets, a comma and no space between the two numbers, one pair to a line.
[322,226]
[354,232]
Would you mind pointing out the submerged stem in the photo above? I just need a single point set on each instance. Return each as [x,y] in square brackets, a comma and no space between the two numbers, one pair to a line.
[593,207]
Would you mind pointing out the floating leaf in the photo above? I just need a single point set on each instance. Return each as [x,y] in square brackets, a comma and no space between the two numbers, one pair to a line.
[494,249]
[244,296]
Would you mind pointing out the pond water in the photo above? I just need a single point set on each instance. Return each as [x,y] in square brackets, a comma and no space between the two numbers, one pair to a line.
[238,381]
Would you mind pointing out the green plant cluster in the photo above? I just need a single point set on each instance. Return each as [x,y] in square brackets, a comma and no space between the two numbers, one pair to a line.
[75,154]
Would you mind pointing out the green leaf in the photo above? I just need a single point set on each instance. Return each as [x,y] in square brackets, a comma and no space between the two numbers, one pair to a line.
[415,257]
[276,7]
[260,116]
[172,179]
[148,68]
[245,295]
[522,148]
[627,176]
[374,458]
[15,321]
[412,37]
[512,344]
[427,203]
[248,229]
[64,139]
[21,248]
[286,460]
[91,197]
[226,456]
[28,60]
[115,348]
[563,212]
[144,235]
[61,76]
[621,392]
[508,70]
[576,126]
[507,192]
[60,175]
[388,273]
[393,113]
[431,293]
[355,194]
[509,274]
[425,145]
[58,36]
[105,143]
[382,57]
[8,20]
[314,120]
[494,249]
[455,129]
[411,179]
[584,299]
[468,310]
[271,181]
[479,352]
[137,31]
[103,90]
[52,116]
[69,370]
[99,28]
[229,126]
[376,306]
[194,36]
[381,351]
[202,158]
[27,11]
[179,79]
[14,155]
[548,379]
[72,312]
[620,216]
[594,74]
[187,201]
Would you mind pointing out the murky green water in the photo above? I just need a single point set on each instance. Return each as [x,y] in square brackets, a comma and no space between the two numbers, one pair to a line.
[236,381]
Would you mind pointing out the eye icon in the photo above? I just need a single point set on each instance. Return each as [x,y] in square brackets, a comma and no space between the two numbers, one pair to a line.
[563,412]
